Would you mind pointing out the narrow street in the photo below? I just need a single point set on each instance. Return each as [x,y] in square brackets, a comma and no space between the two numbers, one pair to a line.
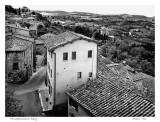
[28,94]
[31,104]
[33,84]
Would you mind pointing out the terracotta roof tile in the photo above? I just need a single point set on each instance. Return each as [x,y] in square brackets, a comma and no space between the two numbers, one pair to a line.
[64,38]
[112,95]
[15,44]
[104,98]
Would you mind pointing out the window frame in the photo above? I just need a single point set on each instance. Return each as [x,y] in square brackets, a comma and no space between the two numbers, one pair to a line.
[89,53]
[90,74]
[51,73]
[79,75]
[65,57]
[74,55]
[17,66]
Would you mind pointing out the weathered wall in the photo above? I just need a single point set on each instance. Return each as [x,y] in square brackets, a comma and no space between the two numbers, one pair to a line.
[50,66]
[12,57]
[17,30]
[22,57]
[66,71]
[82,112]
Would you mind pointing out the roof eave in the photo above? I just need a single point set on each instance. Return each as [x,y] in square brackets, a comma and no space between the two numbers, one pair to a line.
[80,38]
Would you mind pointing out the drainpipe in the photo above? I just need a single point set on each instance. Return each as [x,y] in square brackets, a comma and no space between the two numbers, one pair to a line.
[92,63]
[97,63]
[54,101]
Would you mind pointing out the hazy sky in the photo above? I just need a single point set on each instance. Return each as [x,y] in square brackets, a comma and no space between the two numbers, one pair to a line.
[139,10]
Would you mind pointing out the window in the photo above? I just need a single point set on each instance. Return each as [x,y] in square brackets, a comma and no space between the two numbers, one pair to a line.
[50,90]
[90,74]
[51,54]
[65,56]
[73,55]
[79,75]
[73,103]
[90,54]
[49,68]
[47,99]
[15,66]
[51,73]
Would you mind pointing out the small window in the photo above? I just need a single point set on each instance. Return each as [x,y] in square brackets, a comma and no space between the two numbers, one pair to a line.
[73,55]
[15,66]
[90,54]
[49,69]
[50,90]
[47,99]
[90,74]
[51,73]
[65,56]
[73,103]
[79,75]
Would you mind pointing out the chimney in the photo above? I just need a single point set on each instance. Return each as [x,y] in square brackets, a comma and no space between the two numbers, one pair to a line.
[124,63]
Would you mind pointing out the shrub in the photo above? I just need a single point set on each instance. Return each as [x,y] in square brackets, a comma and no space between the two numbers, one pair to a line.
[17,77]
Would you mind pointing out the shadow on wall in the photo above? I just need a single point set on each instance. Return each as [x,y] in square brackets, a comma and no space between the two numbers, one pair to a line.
[58,111]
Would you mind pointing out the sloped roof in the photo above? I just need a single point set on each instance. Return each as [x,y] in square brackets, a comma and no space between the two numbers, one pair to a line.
[121,70]
[15,44]
[64,38]
[124,78]
[48,35]
[22,37]
[39,41]
[104,98]
[112,95]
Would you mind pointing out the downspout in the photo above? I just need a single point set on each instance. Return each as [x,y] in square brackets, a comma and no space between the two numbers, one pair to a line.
[92,63]
[54,101]
[97,63]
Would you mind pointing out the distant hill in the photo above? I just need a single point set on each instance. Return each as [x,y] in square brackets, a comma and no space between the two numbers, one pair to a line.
[82,13]
[64,13]
[134,17]
[54,13]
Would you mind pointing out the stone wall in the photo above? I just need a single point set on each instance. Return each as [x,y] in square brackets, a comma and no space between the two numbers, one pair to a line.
[22,58]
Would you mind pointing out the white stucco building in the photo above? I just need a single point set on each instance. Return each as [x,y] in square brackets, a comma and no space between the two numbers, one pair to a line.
[71,61]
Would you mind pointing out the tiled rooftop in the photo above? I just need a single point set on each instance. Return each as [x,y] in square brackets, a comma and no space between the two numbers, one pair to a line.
[110,94]
[48,35]
[64,38]
[104,98]
[15,44]
[23,37]
[39,41]
[123,77]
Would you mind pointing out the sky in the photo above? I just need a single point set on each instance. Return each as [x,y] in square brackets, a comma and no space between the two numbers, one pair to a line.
[147,10]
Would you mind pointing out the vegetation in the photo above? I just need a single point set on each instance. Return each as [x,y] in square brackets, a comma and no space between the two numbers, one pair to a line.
[17,77]
[13,106]
[10,9]
[83,30]
[137,56]
[25,9]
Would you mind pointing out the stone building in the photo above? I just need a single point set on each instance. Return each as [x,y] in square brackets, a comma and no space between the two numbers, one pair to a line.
[71,61]
[19,55]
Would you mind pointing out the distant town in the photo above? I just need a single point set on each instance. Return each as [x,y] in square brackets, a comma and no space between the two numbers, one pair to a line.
[72,64]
